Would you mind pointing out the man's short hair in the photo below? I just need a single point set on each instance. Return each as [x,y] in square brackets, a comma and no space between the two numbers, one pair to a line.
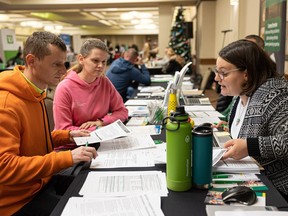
[131,54]
[37,44]
[257,39]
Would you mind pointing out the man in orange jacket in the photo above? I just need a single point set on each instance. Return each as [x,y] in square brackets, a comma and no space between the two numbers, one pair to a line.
[27,159]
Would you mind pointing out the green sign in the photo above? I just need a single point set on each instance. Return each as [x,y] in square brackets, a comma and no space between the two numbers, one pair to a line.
[273,34]
[269,3]
[10,39]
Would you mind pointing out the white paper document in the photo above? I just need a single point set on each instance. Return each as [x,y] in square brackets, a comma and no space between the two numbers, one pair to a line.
[137,205]
[127,143]
[199,108]
[217,155]
[250,213]
[99,184]
[237,177]
[205,114]
[199,121]
[137,121]
[146,129]
[152,89]
[159,154]
[116,159]
[139,94]
[135,102]
[130,158]
[137,111]
[212,209]
[111,131]
[245,165]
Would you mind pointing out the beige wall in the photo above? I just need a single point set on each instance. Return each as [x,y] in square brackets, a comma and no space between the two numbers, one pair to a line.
[206,30]
[216,16]
[205,39]
[222,22]
[165,25]
[249,17]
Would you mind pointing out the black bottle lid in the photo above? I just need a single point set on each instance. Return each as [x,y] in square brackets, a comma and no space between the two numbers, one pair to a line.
[180,110]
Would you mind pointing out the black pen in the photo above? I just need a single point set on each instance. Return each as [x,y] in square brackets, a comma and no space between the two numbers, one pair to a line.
[225,162]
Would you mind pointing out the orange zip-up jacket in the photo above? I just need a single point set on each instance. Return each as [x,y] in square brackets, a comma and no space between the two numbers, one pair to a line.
[27,159]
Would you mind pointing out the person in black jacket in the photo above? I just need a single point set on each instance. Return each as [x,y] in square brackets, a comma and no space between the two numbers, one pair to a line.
[175,64]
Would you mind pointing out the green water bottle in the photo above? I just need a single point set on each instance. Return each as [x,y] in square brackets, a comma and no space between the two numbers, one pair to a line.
[178,139]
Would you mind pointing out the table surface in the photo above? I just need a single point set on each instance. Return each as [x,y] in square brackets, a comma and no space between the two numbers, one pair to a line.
[177,203]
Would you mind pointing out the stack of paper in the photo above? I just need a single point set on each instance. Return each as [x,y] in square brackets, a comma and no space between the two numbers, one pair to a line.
[145,129]
[127,143]
[118,159]
[235,177]
[136,102]
[130,151]
[157,78]
[245,165]
[137,121]
[137,111]
[152,89]
[147,204]
[254,185]
[125,183]
[187,85]
[205,116]
[213,210]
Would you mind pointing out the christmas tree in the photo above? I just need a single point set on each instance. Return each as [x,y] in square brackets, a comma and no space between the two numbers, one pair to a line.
[178,39]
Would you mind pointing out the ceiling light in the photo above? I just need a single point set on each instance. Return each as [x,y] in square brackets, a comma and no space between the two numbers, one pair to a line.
[234,2]
[144,15]
[34,24]
[146,21]
[4,17]
[112,9]
[138,27]
[113,22]
[126,16]
[141,26]
[135,15]
[135,21]
[58,27]
[98,15]
[48,28]
[105,22]
[53,28]
[151,26]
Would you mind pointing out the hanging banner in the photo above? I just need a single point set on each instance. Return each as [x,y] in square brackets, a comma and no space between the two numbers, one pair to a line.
[275,31]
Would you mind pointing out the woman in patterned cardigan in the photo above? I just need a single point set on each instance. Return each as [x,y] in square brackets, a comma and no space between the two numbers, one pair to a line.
[258,122]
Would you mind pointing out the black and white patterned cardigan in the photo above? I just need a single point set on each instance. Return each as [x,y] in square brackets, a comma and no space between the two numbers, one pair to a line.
[266,128]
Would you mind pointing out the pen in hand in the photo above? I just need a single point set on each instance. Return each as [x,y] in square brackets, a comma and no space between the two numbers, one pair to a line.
[224,162]
[86,144]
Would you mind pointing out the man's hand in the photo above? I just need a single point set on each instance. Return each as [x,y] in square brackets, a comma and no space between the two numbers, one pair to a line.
[139,61]
[83,154]
[78,133]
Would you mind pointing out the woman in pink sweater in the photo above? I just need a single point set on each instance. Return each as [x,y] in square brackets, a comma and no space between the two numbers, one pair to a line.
[85,98]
